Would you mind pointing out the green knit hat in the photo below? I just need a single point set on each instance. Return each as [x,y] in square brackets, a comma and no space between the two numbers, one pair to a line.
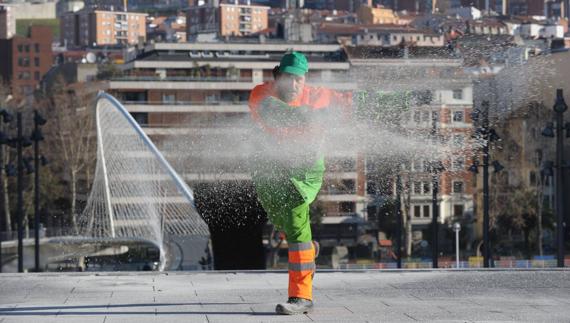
[294,63]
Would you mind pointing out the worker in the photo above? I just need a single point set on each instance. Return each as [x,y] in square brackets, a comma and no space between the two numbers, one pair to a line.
[289,174]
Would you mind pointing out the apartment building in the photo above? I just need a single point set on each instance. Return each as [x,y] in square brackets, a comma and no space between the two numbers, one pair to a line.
[226,19]
[26,59]
[434,103]
[202,89]
[378,35]
[369,15]
[90,28]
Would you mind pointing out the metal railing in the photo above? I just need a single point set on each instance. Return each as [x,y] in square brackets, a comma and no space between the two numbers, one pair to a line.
[184,102]
[182,79]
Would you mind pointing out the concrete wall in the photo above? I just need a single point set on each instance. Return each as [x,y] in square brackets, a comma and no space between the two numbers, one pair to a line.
[34,10]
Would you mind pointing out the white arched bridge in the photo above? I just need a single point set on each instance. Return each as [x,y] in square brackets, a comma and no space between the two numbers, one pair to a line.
[137,198]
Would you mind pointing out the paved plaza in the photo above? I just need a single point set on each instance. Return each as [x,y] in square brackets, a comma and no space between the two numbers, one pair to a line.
[355,296]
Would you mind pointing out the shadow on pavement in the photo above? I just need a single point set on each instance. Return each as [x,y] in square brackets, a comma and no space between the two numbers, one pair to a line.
[63,310]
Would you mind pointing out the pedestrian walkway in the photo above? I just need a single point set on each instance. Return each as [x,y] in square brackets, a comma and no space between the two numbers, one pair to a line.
[353,296]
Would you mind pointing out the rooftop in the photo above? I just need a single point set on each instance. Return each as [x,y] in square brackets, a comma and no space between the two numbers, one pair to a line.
[377,52]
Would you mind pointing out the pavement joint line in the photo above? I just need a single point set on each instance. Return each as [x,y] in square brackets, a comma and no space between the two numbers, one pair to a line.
[408,315]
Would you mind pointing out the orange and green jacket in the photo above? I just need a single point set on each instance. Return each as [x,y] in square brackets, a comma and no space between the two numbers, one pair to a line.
[314,98]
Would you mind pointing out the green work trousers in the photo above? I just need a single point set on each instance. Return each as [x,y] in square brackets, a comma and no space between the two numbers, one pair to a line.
[286,195]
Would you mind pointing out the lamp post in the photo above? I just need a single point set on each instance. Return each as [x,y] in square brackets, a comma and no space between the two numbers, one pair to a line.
[488,135]
[6,117]
[559,108]
[399,225]
[36,137]
[20,188]
[19,143]
[435,209]
[456,228]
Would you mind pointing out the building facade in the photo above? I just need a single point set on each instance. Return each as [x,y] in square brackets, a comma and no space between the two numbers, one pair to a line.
[226,19]
[202,89]
[26,59]
[90,28]
[369,15]
[427,101]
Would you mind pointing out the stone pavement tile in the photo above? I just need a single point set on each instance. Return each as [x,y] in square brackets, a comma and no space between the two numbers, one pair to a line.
[385,316]
[29,319]
[181,318]
[11,301]
[134,319]
[256,317]
[167,298]
[329,313]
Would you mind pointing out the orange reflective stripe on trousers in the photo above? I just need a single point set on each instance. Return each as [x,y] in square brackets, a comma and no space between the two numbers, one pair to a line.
[301,268]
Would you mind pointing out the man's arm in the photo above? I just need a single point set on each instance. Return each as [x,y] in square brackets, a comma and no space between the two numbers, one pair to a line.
[277,114]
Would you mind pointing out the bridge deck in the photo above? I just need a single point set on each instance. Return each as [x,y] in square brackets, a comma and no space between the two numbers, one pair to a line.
[357,296]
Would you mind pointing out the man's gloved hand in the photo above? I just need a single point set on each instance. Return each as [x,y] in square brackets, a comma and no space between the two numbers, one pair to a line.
[278,114]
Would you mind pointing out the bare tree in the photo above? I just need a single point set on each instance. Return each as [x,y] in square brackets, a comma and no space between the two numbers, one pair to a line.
[70,128]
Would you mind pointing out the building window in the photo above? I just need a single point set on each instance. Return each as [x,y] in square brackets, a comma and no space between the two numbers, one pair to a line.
[36,61]
[458,141]
[36,75]
[417,211]
[532,178]
[427,211]
[27,48]
[37,47]
[458,116]
[458,94]
[418,188]
[347,207]
[426,187]
[458,210]
[20,48]
[25,61]
[24,75]
[435,116]
[141,118]
[168,98]
[418,165]
[458,187]
[417,116]
[459,163]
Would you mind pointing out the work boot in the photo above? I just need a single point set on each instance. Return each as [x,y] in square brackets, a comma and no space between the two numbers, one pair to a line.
[294,305]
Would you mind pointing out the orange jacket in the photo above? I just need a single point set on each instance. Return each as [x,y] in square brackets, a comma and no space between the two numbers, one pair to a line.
[313,97]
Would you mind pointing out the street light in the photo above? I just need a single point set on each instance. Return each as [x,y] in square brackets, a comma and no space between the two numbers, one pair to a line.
[557,131]
[36,137]
[457,228]
[400,223]
[488,135]
[436,167]
[6,117]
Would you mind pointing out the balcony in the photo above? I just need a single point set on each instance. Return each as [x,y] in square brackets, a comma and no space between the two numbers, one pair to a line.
[181,83]
[188,106]
[182,79]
